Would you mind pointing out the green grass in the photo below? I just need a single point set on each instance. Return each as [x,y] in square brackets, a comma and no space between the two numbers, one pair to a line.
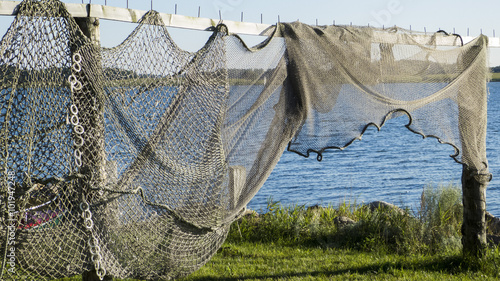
[269,261]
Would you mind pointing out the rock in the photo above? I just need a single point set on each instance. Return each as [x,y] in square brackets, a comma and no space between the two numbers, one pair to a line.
[250,213]
[492,223]
[315,210]
[375,205]
[493,239]
[341,221]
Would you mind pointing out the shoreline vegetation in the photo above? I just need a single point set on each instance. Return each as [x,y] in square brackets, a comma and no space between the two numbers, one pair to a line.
[495,77]
[495,74]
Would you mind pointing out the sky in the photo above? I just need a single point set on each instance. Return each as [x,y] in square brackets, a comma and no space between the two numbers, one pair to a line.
[459,16]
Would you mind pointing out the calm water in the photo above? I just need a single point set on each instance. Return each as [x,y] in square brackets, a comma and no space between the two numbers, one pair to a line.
[392,165]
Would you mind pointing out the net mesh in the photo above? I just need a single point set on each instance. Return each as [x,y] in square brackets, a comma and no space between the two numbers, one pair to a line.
[347,80]
[135,160]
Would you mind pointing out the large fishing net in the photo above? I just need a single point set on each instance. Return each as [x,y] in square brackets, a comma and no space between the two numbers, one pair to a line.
[133,161]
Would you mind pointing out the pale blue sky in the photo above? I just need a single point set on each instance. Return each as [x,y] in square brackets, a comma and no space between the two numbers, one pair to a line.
[458,15]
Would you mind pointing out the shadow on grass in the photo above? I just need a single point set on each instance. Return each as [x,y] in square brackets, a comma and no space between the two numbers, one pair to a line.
[449,265]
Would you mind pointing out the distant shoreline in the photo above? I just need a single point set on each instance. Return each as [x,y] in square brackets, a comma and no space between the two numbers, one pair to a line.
[495,77]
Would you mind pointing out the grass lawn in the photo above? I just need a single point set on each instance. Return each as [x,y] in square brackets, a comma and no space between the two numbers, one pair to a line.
[268,261]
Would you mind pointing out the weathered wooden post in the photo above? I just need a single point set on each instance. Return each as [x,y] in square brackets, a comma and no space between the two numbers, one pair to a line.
[472,104]
[474,201]
[90,106]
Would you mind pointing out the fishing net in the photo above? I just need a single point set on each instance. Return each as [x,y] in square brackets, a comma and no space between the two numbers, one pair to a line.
[349,78]
[134,160]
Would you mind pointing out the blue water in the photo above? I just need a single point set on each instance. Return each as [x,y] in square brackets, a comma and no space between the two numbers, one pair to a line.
[391,165]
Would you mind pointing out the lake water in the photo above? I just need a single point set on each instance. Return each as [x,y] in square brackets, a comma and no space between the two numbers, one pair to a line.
[391,165]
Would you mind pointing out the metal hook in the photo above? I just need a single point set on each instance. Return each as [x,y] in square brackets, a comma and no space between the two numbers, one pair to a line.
[199,11]
[151,5]
[176,9]
[220,16]
[242,16]
[260,18]
[279,19]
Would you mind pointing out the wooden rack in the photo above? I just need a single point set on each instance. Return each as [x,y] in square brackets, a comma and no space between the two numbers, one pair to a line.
[199,23]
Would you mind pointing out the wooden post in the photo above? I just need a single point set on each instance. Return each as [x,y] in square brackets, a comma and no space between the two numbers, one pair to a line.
[472,127]
[91,111]
[89,101]
[474,201]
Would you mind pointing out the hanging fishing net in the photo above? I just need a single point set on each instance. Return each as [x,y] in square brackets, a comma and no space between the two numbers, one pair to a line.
[134,160]
[351,77]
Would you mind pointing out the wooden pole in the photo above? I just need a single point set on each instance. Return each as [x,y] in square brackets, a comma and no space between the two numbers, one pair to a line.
[474,201]
[90,27]
[90,106]
[472,127]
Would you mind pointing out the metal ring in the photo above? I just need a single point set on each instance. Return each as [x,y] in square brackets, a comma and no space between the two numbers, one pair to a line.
[97,261]
[77,67]
[80,141]
[78,162]
[76,86]
[96,242]
[97,250]
[95,258]
[87,214]
[77,58]
[72,79]
[86,217]
[84,206]
[79,129]
[77,154]
[74,109]
[101,272]
[88,224]
[74,120]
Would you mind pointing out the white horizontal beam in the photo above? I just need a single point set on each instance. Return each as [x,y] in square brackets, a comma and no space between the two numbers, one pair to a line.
[196,23]
[8,8]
